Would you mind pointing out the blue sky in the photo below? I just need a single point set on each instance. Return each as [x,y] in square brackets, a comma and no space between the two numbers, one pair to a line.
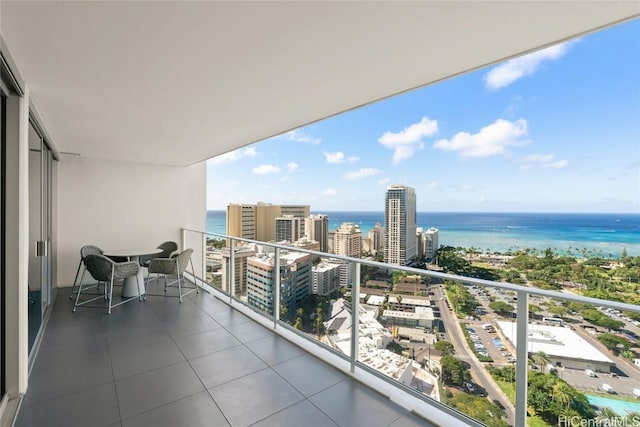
[554,131]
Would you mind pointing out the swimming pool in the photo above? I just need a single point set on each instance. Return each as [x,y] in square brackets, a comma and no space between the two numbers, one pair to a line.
[621,407]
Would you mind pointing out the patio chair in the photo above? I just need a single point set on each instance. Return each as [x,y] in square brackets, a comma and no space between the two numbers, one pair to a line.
[105,270]
[168,248]
[84,251]
[175,265]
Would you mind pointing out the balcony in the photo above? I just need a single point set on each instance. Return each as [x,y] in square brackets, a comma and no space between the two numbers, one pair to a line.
[201,362]
[225,358]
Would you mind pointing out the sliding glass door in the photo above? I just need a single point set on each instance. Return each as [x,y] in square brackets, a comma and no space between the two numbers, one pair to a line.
[3,139]
[40,165]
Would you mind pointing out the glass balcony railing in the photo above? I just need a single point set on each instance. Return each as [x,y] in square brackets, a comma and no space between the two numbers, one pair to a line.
[431,340]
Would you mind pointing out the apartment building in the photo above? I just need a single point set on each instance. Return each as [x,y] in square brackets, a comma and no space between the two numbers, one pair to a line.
[400,244]
[348,240]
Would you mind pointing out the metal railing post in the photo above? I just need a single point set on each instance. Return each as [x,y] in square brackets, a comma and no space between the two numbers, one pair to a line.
[232,270]
[276,292]
[522,361]
[204,259]
[355,318]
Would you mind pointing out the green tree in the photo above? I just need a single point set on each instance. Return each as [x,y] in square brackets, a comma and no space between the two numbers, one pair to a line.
[298,325]
[540,358]
[445,348]
[453,370]
[319,322]
[562,393]
[501,307]
[614,343]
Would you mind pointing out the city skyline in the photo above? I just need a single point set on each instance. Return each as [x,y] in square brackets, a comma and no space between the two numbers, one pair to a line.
[553,131]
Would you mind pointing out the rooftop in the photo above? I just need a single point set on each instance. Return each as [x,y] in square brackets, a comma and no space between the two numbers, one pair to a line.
[555,341]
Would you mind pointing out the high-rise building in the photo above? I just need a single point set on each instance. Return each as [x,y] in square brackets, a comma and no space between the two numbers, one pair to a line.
[400,245]
[258,222]
[298,211]
[326,278]
[421,243]
[241,221]
[348,240]
[295,280]
[288,228]
[317,228]
[240,269]
[376,235]
[431,243]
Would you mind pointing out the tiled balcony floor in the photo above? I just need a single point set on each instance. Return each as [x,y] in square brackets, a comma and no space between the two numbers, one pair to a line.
[199,363]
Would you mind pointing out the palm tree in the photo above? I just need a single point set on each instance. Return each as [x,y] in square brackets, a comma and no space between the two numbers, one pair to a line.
[563,393]
[541,358]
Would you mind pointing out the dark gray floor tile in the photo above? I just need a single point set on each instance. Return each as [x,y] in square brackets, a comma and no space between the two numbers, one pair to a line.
[209,304]
[230,318]
[132,361]
[308,374]
[152,389]
[93,407]
[411,420]
[254,397]
[198,410]
[182,326]
[302,413]
[78,328]
[45,384]
[274,349]
[250,331]
[349,403]
[137,336]
[71,352]
[226,365]
[197,345]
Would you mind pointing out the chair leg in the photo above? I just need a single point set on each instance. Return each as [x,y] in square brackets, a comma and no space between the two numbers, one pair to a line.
[75,306]
[110,291]
[144,287]
[193,271]
[179,286]
[76,279]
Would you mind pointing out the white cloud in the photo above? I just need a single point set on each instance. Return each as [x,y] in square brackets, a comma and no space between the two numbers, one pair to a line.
[299,136]
[538,158]
[405,143]
[265,169]
[329,191]
[541,161]
[362,173]
[383,181]
[508,72]
[292,166]
[490,141]
[337,157]
[432,185]
[234,155]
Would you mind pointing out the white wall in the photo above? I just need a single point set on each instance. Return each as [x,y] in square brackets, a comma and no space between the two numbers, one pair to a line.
[121,205]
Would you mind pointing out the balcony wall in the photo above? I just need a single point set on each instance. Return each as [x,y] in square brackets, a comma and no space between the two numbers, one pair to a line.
[120,204]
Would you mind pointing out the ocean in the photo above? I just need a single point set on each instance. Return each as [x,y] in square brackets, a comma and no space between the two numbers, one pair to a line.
[566,233]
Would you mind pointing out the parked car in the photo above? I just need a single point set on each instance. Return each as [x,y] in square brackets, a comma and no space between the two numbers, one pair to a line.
[607,388]
[590,373]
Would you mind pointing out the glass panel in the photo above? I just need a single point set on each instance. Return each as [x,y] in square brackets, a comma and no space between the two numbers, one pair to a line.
[582,357]
[2,225]
[35,234]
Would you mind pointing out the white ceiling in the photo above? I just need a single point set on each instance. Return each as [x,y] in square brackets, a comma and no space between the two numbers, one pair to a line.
[180,82]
